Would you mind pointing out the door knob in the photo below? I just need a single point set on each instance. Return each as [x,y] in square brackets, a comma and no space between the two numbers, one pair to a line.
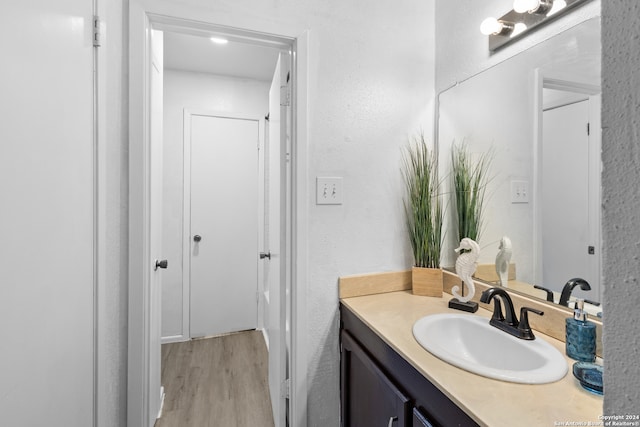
[161,264]
[197,238]
[264,255]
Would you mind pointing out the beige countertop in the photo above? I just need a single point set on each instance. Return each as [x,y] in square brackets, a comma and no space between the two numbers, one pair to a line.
[489,402]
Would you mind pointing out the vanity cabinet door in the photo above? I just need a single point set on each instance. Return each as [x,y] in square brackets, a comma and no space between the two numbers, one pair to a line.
[420,420]
[368,397]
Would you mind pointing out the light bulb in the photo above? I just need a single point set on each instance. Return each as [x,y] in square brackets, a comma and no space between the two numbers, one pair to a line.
[522,6]
[558,5]
[219,40]
[490,26]
[518,28]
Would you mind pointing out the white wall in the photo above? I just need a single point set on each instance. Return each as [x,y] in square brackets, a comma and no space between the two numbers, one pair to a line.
[195,91]
[621,204]
[113,291]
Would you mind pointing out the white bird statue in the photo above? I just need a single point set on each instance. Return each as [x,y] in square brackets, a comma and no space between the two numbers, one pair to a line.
[502,261]
[465,267]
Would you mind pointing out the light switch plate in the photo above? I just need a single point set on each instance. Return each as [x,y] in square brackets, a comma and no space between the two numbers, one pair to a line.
[329,190]
[519,191]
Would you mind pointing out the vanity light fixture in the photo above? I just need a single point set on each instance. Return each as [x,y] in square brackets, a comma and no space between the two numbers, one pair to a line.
[525,16]
[540,7]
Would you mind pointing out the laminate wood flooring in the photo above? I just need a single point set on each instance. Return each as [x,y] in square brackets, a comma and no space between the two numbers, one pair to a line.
[216,382]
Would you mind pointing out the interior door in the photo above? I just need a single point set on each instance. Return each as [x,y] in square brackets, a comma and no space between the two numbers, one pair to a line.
[156,263]
[47,216]
[566,221]
[224,224]
[276,238]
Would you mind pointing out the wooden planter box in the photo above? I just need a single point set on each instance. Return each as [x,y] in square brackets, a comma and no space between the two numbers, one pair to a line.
[427,282]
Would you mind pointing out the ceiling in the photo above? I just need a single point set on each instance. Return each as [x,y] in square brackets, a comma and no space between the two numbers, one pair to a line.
[199,54]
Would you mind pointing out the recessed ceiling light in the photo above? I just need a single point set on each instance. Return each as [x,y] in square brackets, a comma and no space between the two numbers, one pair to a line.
[219,40]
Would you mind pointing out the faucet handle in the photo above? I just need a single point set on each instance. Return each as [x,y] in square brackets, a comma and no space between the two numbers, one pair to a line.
[548,291]
[523,327]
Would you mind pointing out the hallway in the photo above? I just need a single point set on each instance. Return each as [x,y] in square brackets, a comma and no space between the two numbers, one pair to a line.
[219,381]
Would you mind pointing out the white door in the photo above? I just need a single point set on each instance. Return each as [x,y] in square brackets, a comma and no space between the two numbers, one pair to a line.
[156,264]
[47,216]
[276,240]
[224,224]
[566,198]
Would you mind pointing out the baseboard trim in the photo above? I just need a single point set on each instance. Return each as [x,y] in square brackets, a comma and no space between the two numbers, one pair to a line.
[173,338]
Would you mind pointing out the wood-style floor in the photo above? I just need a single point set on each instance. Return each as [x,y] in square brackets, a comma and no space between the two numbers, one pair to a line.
[216,382]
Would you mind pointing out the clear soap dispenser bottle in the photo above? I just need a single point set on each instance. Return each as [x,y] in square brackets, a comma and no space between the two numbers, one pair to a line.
[581,335]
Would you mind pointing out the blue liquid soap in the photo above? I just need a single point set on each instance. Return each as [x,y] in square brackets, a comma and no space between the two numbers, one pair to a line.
[581,335]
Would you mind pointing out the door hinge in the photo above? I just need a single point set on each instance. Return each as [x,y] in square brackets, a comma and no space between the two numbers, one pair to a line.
[588,128]
[96,31]
[286,388]
[285,96]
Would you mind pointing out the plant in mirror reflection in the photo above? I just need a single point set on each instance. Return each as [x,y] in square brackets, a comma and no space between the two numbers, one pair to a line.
[423,204]
[470,179]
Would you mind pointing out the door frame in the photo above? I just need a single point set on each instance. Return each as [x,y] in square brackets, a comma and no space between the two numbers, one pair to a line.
[593,92]
[186,208]
[147,14]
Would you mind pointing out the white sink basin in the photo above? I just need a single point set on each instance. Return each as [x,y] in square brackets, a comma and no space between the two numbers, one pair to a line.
[469,342]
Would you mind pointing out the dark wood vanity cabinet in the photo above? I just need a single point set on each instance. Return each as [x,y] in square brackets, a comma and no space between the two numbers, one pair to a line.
[378,387]
[369,397]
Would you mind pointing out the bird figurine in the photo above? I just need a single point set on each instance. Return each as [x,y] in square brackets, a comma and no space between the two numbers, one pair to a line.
[502,261]
[465,267]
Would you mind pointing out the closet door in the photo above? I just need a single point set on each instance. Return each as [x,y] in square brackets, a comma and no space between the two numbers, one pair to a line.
[47,214]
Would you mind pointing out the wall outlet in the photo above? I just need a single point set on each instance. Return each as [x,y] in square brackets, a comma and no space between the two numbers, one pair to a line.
[519,191]
[328,190]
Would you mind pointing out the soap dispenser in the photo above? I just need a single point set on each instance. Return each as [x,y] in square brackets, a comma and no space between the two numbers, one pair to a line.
[581,335]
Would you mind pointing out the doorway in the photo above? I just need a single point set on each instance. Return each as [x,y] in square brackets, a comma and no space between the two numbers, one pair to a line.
[221,222]
[211,86]
[568,186]
[143,313]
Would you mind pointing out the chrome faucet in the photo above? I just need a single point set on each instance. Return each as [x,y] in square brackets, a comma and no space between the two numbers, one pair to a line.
[510,324]
[568,288]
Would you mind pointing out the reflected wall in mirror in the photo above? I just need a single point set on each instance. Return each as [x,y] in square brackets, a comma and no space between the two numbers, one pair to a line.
[539,112]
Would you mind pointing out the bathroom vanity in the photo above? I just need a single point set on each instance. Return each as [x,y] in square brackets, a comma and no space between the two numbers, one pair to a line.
[387,378]
[395,392]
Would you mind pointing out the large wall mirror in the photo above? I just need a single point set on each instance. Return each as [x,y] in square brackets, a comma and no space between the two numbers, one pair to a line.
[539,114]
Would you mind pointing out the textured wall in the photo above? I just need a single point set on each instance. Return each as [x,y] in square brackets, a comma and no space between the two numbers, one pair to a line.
[621,204]
[114,291]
